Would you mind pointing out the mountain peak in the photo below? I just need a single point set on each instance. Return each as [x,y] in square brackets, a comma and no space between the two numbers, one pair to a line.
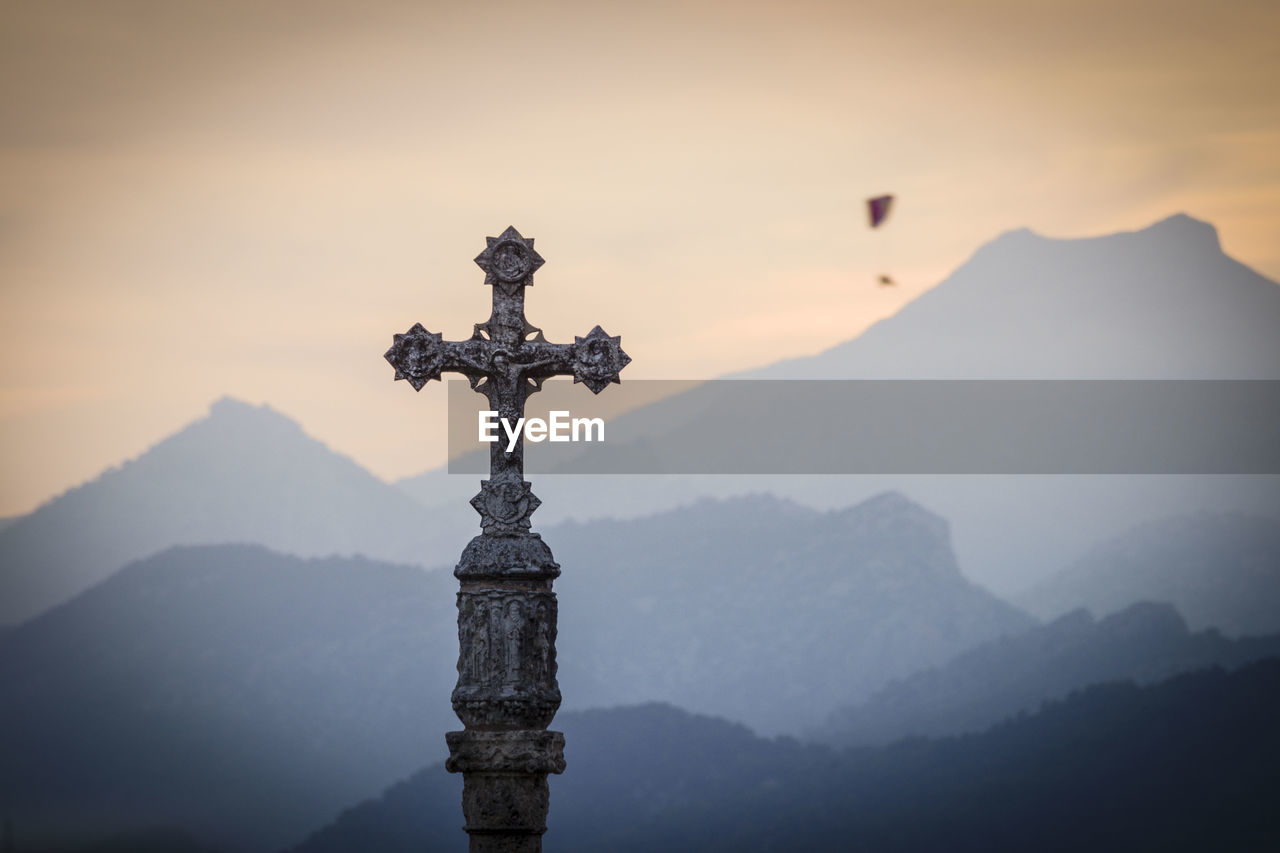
[893,507]
[1159,302]
[1187,230]
[228,405]
[242,473]
[891,501]
[229,410]
[1017,235]
[1146,618]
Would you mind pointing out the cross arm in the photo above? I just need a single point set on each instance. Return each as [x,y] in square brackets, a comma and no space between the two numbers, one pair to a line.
[594,360]
[420,356]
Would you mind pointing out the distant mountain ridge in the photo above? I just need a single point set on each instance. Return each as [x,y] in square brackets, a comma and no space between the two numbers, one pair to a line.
[241,474]
[1220,570]
[761,610]
[1144,643]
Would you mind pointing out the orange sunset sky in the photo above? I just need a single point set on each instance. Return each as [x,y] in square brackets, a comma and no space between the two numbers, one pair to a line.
[249,198]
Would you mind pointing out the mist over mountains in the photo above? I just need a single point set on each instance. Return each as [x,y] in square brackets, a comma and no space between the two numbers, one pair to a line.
[1018,674]
[244,694]
[763,611]
[1218,570]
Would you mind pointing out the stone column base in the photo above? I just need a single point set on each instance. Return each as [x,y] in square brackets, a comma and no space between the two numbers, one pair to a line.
[504,785]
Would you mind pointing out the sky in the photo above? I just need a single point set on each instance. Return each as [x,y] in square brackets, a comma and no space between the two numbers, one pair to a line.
[241,198]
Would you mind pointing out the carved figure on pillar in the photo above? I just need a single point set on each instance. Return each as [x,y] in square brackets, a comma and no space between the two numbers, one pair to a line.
[542,645]
[507,693]
[479,633]
[512,629]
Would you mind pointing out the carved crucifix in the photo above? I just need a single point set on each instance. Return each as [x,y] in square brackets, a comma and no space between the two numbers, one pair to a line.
[507,693]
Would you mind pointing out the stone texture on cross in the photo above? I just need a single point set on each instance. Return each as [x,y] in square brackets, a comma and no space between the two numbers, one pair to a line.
[507,693]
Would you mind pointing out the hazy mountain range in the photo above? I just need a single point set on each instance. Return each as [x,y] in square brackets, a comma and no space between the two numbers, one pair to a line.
[246,696]
[763,611]
[1016,675]
[195,687]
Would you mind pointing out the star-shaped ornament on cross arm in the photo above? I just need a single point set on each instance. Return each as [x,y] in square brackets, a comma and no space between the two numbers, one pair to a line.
[416,355]
[598,359]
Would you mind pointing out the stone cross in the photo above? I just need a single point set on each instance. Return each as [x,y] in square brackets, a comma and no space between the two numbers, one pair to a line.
[507,693]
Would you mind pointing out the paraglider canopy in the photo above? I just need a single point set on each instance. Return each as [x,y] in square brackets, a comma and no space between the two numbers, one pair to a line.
[878,209]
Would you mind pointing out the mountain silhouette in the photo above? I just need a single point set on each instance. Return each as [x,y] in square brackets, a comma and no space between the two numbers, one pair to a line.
[1015,675]
[1163,302]
[1184,765]
[241,474]
[1217,569]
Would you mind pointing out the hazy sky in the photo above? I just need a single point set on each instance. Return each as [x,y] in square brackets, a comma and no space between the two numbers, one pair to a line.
[249,198]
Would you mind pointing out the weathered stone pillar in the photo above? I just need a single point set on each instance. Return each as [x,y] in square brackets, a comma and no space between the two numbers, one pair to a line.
[507,693]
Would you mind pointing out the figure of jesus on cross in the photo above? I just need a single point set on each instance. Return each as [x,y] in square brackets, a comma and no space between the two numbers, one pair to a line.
[507,693]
